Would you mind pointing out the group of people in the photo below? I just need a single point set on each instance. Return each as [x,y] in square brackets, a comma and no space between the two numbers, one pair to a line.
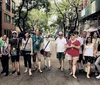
[29,47]
[78,49]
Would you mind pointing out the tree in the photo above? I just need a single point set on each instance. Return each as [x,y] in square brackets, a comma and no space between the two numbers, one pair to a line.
[25,7]
[68,10]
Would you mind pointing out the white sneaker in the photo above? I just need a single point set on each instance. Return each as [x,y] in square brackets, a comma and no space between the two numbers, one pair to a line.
[98,77]
[26,71]
[30,73]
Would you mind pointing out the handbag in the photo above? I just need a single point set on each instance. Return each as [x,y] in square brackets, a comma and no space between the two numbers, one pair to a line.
[23,52]
[14,50]
[43,50]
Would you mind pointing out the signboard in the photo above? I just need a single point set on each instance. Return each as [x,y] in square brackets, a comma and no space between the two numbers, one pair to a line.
[93,7]
[83,13]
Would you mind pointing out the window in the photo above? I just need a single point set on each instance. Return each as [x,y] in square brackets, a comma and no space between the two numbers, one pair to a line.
[8,5]
[8,33]
[13,20]
[0,3]
[7,18]
[13,7]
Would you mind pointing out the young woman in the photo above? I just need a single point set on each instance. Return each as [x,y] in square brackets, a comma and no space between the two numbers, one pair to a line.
[5,57]
[72,53]
[47,53]
[88,54]
[27,51]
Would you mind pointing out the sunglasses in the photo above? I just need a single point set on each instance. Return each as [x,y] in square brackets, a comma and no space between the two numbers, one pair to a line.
[15,33]
[60,34]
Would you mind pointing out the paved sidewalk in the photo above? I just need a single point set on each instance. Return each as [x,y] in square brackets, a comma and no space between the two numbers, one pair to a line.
[53,77]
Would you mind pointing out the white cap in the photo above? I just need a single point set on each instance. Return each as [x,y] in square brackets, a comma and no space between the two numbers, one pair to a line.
[14,32]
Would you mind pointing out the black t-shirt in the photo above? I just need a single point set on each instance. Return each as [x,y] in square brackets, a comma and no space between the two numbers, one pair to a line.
[15,43]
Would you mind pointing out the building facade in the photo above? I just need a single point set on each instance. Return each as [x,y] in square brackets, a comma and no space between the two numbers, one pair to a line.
[7,10]
[90,15]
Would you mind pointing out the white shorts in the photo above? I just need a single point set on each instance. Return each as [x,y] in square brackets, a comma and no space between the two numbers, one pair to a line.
[69,57]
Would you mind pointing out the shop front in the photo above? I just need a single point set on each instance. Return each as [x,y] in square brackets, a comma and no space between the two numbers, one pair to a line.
[90,16]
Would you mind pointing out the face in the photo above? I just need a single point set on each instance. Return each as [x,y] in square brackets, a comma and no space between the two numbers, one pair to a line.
[73,37]
[14,35]
[60,36]
[89,40]
[26,35]
[84,34]
[47,38]
[4,38]
[76,35]
[95,35]
[37,33]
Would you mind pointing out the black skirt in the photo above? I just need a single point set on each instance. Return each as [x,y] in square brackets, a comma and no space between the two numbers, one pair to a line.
[89,59]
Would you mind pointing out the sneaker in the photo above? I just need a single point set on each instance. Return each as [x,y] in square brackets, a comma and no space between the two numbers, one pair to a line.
[98,77]
[62,69]
[49,68]
[74,77]
[13,71]
[59,68]
[40,71]
[2,72]
[45,67]
[6,74]
[26,71]
[30,73]
[18,73]
[88,76]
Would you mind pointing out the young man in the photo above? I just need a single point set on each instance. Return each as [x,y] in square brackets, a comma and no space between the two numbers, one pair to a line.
[61,47]
[37,46]
[14,49]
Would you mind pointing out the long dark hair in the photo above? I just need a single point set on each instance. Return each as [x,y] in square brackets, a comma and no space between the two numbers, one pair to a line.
[25,36]
[87,40]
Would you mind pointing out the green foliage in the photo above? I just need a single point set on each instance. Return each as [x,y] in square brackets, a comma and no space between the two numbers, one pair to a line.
[22,17]
[64,9]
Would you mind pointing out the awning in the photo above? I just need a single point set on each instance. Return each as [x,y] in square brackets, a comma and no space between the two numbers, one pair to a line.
[91,29]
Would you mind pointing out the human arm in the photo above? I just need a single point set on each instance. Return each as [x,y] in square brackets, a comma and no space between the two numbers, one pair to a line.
[9,49]
[76,45]
[84,51]
[31,46]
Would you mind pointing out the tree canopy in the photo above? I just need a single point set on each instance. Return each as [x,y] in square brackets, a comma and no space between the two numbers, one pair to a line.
[48,15]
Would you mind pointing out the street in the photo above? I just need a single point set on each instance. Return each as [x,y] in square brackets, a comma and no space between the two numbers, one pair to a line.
[53,77]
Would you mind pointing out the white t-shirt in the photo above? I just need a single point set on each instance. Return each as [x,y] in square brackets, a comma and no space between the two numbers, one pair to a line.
[81,42]
[48,46]
[61,44]
[28,45]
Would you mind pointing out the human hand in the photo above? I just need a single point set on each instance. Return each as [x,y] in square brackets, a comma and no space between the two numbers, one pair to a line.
[83,58]
[9,55]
